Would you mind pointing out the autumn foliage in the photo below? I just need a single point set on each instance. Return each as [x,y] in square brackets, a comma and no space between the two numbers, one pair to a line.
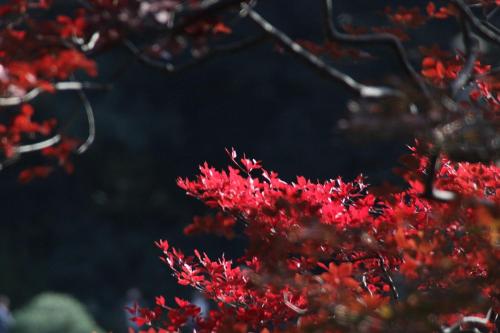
[333,256]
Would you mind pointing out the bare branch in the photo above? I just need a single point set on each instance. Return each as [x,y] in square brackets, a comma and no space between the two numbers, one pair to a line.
[205,9]
[471,320]
[91,123]
[482,29]
[59,86]
[292,306]
[215,51]
[471,52]
[37,146]
[492,13]
[383,38]
[316,62]
[388,278]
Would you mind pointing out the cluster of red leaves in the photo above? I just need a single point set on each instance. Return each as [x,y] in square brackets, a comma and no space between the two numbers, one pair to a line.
[404,18]
[42,45]
[36,54]
[116,20]
[442,67]
[409,17]
[414,17]
[324,256]
[16,7]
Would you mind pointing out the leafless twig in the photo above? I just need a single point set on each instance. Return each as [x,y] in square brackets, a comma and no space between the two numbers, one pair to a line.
[315,62]
[91,123]
[59,86]
[470,320]
[215,51]
[334,34]
[483,30]
[471,52]
[37,146]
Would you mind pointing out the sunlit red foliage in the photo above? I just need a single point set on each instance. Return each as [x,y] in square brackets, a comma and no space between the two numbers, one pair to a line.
[332,255]
[45,49]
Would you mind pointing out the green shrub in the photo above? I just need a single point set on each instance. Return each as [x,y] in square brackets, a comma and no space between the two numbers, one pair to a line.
[54,313]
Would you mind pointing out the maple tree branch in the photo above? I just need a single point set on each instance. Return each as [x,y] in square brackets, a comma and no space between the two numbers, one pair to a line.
[388,278]
[207,8]
[471,52]
[59,86]
[430,191]
[385,272]
[333,34]
[483,30]
[492,27]
[215,51]
[292,306]
[492,13]
[472,320]
[28,148]
[37,146]
[315,62]
[91,123]
[365,284]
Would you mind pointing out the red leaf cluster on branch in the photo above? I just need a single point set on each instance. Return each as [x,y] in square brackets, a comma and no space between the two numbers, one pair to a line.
[333,256]
[43,46]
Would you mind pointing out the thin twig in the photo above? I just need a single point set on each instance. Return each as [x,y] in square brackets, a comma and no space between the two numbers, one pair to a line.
[37,146]
[333,34]
[206,9]
[471,45]
[91,123]
[365,284]
[316,62]
[492,13]
[215,51]
[59,86]
[292,306]
[388,278]
[472,320]
[430,191]
[481,28]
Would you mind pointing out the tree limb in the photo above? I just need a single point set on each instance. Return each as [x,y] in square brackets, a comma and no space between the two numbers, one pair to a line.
[37,146]
[317,63]
[482,29]
[383,38]
[471,52]
[215,51]
[59,86]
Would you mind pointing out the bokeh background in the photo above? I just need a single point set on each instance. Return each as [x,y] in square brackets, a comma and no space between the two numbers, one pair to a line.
[90,234]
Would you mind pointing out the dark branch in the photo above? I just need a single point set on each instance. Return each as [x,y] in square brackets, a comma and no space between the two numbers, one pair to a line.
[215,51]
[388,278]
[202,11]
[471,52]
[430,191]
[58,86]
[316,62]
[333,34]
[482,29]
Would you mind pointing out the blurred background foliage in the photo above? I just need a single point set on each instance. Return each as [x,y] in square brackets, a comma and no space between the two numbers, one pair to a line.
[54,313]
